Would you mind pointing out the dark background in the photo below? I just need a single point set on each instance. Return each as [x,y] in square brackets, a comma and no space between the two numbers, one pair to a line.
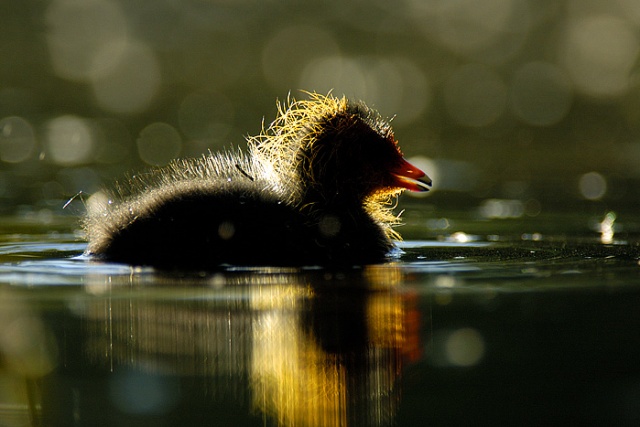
[515,107]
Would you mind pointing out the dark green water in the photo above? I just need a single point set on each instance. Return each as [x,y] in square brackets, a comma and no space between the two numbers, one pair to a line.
[479,322]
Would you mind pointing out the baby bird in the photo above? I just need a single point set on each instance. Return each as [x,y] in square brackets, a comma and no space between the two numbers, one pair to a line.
[315,188]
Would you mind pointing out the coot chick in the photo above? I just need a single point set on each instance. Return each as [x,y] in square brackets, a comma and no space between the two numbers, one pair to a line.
[315,188]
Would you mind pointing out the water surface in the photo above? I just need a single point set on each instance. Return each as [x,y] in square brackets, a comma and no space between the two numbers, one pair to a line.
[476,322]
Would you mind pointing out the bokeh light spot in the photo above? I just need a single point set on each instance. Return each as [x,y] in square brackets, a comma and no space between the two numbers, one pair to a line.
[69,140]
[17,140]
[465,347]
[607,228]
[593,186]
[158,143]
[599,52]
[329,226]
[132,84]
[460,237]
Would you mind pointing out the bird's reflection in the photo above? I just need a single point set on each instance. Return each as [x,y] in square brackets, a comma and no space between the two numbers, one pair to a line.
[297,349]
[335,359]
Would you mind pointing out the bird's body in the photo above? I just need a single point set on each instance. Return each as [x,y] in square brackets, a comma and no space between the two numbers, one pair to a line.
[313,189]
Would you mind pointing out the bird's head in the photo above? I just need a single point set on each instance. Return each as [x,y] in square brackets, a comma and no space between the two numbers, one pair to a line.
[352,153]
[335,149]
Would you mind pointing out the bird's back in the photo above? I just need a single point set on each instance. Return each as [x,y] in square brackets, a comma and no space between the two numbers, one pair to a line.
[204,228]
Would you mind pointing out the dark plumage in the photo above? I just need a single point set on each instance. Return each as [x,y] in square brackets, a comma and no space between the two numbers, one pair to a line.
[314,189]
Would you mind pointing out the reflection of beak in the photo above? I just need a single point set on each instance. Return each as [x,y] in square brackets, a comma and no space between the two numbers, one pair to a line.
[410,177]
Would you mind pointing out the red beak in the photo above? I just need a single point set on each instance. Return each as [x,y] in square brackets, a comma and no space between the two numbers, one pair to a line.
[410,177]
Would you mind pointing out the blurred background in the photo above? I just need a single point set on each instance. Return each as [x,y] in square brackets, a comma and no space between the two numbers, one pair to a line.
[513,107]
